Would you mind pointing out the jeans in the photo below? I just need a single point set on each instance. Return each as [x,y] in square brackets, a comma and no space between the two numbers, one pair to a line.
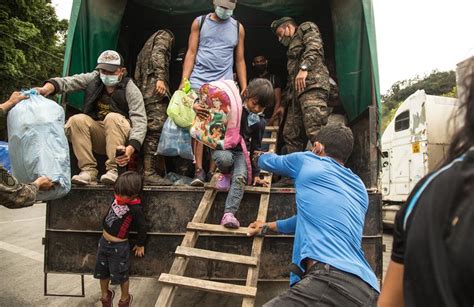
[230,161]
[324,285]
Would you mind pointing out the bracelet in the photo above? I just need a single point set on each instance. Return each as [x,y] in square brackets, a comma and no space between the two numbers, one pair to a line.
[264,230]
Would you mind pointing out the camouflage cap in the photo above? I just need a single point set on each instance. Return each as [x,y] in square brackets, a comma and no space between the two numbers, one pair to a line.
[109,60]
[278,22]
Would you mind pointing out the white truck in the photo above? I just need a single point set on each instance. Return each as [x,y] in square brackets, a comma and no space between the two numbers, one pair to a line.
[413,144]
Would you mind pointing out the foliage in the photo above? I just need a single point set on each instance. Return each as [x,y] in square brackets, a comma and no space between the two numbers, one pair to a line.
[437,83]
[31,44]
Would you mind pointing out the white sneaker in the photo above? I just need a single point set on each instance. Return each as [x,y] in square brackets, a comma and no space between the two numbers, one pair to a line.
[84,178]
[109,177]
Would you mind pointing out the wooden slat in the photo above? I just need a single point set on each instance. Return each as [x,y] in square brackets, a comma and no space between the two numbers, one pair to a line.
[207,254]
[272,128]
[207,285]
[201,227]
[269,141]
[248,189]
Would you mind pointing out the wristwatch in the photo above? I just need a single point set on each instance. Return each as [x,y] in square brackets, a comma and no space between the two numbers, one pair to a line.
[304,67]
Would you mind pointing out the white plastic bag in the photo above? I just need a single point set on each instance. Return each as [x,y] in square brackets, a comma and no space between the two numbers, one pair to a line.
[38,145]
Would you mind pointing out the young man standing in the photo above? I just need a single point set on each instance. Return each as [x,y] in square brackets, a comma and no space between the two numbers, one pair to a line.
[308,82]
[152,77]
[213,41]
[330,267]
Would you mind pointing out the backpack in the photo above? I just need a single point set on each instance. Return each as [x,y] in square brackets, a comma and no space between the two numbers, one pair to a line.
[221,129]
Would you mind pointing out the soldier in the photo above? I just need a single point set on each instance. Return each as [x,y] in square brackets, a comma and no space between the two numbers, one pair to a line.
[152,77]
[13,194]
[308,83]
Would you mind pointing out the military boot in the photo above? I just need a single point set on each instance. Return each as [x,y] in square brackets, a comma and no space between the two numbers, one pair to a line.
[150,176]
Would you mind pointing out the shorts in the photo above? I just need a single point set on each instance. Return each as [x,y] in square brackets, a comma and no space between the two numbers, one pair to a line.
[112,261]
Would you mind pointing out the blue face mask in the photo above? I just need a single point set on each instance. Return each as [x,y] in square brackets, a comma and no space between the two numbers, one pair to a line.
[109,80]
[252,118]
[223,13]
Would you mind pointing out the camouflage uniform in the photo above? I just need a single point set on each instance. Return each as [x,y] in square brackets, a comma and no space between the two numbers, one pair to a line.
[13,194]
[308,110]
[152,66]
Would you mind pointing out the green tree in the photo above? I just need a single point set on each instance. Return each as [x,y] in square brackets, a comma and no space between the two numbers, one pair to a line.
[439,83]
[31,44]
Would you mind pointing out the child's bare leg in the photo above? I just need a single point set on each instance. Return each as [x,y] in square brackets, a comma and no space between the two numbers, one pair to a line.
[198,155]
[104,287]
[124,289]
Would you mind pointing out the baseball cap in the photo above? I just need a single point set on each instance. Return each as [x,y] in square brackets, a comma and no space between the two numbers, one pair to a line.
[228,4]
[109,60]
[278,22]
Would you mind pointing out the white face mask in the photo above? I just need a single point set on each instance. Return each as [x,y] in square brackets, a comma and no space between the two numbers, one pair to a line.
[223,13]
[110,80]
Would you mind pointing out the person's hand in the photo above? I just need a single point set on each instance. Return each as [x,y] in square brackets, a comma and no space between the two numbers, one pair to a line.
[257,181]
[243,90]
[16,97]
[139,250]
[46,90]
[256,154]
[160,87]
[300,80]
[201,110]
[44,183]
[125,158]
[254,228]
[276,116]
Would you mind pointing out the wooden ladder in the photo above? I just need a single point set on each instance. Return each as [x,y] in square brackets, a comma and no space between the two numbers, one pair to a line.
[187,249]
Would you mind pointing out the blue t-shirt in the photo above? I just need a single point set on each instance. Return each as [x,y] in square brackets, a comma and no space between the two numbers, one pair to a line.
[331,204]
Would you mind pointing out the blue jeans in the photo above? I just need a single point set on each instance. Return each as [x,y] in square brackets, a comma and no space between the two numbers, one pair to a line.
[230,161]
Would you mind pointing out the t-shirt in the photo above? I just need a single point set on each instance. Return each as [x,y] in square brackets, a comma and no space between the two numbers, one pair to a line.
[331,203]
[432,237]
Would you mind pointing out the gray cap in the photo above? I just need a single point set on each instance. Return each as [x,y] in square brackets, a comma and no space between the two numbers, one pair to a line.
[278,22]
[228,4]
[109,60]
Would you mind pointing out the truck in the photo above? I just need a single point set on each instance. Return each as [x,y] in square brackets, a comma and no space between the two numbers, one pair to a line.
[414,144]
[73,223]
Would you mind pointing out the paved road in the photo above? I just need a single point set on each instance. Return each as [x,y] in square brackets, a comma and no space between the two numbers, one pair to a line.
[21,271]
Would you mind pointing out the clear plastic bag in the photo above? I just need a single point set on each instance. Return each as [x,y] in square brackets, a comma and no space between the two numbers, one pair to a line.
[175,141]
[38,145]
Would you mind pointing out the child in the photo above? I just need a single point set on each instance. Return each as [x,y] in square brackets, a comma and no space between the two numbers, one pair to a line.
[114,250]
[231,162]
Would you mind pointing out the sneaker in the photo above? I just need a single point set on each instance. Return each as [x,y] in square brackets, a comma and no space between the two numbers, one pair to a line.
[284,182]
[110,299]
[199,178]
[126,303]
[83,178]
[229,221]
[109,177]
[156,180]
[223,182]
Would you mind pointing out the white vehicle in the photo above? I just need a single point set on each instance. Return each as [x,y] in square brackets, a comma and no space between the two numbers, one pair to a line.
[413,144]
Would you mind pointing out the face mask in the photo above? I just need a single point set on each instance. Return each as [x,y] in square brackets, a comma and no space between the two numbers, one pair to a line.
[110,80]
[223,13]
[286,39]
[260,68]
[252,118]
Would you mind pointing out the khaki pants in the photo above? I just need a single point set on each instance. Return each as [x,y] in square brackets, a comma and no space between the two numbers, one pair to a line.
[102,137]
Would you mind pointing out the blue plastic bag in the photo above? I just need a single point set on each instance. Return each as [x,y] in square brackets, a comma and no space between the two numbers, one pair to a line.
[38,145]
[4,159]
[175,141]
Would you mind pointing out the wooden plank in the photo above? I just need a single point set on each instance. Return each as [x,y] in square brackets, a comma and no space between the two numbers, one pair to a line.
[213,228]
[248,189]
[269,141]
[207,254]
[272,128]
[207,285]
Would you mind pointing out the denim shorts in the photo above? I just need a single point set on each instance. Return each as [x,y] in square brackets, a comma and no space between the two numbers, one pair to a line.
[112,261]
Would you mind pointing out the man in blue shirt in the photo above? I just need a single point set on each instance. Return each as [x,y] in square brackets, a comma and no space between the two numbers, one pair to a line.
[331,205]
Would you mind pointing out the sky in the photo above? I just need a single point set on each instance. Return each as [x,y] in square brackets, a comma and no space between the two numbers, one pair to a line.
[414,37]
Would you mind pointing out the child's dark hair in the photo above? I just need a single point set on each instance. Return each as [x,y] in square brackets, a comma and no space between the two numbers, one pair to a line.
[216,126]
[128,184]
[262,91]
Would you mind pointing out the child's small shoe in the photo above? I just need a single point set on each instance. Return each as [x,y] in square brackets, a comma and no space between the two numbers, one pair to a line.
[229,221]
[110,299]
[223,182]
[126,303]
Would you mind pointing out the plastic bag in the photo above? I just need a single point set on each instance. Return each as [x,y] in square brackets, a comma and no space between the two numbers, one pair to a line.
[180,108]
[4,159]
[175,141]
[38,145]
